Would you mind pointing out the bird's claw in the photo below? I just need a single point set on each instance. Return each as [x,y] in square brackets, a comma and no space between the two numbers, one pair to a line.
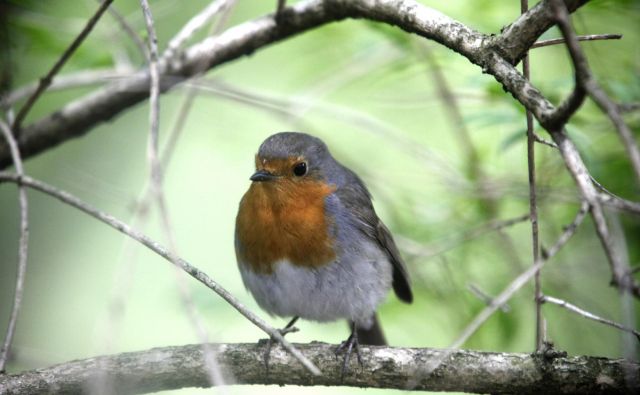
[347,347]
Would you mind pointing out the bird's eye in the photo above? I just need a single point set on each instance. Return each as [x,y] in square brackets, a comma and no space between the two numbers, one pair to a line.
[300,169]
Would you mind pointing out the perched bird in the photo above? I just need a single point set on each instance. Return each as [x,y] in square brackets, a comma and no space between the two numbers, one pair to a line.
[309,243]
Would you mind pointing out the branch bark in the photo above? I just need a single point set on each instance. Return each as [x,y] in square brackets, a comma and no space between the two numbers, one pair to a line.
[384,367]
[78,117]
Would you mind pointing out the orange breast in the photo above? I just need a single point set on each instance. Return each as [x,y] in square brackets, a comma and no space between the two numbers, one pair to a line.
[284,219]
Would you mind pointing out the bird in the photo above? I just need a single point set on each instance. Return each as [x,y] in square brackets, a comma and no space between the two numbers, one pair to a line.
[310,245]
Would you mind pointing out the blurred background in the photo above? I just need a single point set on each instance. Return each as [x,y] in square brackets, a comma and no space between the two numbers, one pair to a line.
[439,144]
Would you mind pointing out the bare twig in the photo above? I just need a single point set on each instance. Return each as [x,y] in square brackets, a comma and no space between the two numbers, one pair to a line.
[194,272]
[546,142]
[46,80]
[22,249]
[129,30]
[569,230]
[196,23]
[533,209]
[66,81]
[154,99]
[628,107]
[586,314]
[156,180]
[429,251]
[487,299]
[456,120]
[588,84]
[589,37]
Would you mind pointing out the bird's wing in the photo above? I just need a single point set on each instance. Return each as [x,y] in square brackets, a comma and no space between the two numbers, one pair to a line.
[355,197]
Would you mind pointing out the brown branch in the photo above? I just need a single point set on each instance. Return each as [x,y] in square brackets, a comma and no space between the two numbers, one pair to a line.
[517,38]
[163,252]
[589,37]
[46,80]
[22,248]
[384,367]
[533,208]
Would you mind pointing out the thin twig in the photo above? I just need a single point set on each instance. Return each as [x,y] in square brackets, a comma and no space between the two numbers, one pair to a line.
[569,230]
[586,81]
[628,107]
[129,30]
[589,37]
[196,23]
[533,209]
[194,272]
[154,100]
[141,210]
[619,203]
[608,198]
[46,80]
[66,81]
[22,248]
[429,251]
[544,141]
[586,314]
[156,179]
[486,298]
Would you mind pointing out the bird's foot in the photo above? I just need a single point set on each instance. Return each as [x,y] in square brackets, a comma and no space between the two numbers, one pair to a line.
[347,347]
[279,11]
[287,329]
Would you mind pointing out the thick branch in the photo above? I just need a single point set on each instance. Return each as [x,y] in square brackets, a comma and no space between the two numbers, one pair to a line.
[517,38]
[79,116]
[463,371]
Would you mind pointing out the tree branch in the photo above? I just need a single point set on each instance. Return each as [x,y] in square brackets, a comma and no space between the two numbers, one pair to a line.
[79,116]
[384,367]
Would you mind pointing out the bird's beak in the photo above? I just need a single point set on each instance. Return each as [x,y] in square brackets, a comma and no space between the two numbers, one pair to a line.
[262,175]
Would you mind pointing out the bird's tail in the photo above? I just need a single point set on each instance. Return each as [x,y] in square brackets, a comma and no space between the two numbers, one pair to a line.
[372,336]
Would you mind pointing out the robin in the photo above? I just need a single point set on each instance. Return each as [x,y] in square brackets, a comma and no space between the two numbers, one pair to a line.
[310,245]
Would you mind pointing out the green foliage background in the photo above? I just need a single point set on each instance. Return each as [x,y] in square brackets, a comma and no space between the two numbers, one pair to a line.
[369,93]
